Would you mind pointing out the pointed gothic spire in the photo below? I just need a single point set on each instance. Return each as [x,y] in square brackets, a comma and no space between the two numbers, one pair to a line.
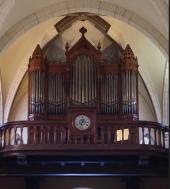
[37,52]
[99,46]
[128,54]
[67,46]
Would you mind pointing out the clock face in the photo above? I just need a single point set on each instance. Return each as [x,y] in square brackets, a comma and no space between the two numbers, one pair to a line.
[82,122]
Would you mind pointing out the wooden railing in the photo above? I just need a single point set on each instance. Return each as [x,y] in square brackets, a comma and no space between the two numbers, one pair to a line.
[27,136]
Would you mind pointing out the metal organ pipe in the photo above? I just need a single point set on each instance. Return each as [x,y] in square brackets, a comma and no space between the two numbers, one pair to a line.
[62,94]
[59,79]
[91,81]
[104,93]
[109,97]
[73,83]
[126,92]
[112,94]
[83,80]
[88,97]
[78,79]
[54,93]
[38,94]
[107,94]
[86,84]
[59,94]
[123,91]
[134,92]
[116,94]
[51,93]
[33,93]
[42,92]
[62,84]
[35,103]
[128,89]
[131,102]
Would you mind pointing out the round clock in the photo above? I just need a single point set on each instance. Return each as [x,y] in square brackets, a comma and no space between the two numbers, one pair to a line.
[82,122]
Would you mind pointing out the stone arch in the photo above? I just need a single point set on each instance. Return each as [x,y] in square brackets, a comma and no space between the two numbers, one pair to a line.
[165,116]
[5,7]
[13,90]
[154,98]
[92,6]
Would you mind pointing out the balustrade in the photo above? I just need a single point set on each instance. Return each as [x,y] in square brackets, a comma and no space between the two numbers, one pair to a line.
[41,134]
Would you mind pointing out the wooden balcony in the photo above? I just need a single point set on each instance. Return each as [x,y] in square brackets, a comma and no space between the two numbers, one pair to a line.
[51,138]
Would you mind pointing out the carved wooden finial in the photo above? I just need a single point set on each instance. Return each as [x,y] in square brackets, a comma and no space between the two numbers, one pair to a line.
[67,46]
[83,30]
[128,51]
[99,46]
[37,52]
[128,55]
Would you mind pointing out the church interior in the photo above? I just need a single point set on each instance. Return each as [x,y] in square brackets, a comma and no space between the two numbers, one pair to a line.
[84,94]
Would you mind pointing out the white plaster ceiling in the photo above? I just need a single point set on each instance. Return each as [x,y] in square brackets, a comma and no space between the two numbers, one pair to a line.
[153,11]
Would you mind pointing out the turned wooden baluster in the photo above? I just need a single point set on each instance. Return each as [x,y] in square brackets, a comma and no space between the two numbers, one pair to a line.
[149,132]
[163,138]
[143,136]
[122,130]
[9,142]
[102,135]
[22,140]
[62,136]
[1,138]
[159,134]
[155,137]
[48,135]
[15,135]
[54,135]
[108,135]
[34,135]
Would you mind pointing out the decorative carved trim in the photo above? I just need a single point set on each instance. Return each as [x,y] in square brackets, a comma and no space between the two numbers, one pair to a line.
[67,21]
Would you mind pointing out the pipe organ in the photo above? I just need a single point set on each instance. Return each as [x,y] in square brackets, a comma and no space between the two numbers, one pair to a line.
[84,82]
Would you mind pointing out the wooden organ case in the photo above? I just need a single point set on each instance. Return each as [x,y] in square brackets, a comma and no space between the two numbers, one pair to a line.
[83,92]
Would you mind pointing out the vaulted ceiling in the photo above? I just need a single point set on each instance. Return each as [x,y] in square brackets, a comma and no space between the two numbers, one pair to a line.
[142,24]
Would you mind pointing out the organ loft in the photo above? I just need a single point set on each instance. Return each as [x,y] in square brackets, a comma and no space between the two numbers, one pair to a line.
[83,113]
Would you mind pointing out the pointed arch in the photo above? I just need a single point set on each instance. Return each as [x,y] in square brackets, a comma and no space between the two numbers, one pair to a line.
[92,6]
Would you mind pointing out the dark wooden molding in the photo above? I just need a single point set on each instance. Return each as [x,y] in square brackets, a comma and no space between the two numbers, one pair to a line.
[67,21]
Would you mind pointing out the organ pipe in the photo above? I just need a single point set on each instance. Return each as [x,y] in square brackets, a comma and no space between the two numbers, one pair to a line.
[83,85]
[48,87]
